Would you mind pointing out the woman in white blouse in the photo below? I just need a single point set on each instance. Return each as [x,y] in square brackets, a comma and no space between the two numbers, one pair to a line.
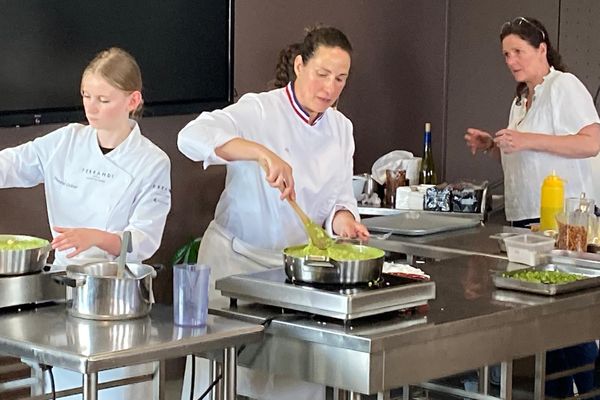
[553,125]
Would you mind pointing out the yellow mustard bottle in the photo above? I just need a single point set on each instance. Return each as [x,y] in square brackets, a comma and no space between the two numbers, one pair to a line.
[552,201]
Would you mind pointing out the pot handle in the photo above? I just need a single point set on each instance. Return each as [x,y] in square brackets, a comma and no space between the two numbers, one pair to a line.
[65,280]
[157,267]
[319,264]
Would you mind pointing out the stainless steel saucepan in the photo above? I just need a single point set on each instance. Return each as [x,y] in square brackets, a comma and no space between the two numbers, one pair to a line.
[96,292]
[22,261]
[326,270]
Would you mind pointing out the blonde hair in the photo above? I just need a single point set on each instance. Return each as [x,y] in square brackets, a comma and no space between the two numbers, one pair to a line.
[120,70]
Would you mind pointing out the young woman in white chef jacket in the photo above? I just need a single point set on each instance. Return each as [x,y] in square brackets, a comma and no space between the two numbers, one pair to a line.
[100,179]
[307,147]
[553,126]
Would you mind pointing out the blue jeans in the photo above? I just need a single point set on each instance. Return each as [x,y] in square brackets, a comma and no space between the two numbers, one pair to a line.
[567,358]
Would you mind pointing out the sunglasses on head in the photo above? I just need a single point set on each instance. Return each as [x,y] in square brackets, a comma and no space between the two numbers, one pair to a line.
[521,21]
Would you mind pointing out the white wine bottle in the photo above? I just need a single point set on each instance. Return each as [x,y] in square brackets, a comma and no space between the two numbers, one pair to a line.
[427,172]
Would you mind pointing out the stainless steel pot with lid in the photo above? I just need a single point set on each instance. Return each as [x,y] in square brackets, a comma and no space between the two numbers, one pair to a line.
[20,254]
[96,292]
[324,269]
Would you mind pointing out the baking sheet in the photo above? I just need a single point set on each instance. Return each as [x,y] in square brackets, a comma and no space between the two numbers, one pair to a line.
[415,223]
[592,279]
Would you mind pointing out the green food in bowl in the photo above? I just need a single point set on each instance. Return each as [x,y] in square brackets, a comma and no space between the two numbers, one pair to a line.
[548,277]
[22,244]
[337,251]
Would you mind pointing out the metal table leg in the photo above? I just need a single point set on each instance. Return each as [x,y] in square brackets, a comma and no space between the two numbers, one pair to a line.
[348,395]
[540,376]
[38,375]
[215,370]
[90,386]
[506,380]
[383,395]
[229,373]
[484,380]
[158,380]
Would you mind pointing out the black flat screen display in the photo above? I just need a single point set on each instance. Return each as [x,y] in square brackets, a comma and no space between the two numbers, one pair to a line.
[183,48]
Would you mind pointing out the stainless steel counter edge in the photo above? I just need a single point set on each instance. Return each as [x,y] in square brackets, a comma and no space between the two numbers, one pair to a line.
[40,348]
[406,332]
[427,250]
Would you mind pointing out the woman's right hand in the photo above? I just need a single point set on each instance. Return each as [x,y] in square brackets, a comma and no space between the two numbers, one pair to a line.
[278,174]
[478,140]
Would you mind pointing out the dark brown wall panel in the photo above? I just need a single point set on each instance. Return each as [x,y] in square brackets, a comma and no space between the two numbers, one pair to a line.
[397,76]
[480,87]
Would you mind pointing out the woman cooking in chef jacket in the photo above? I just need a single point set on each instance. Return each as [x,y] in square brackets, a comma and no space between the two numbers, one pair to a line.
[292,128]
[553,125]
[100,180]
[307,147]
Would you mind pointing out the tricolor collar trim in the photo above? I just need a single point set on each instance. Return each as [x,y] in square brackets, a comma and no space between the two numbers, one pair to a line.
[291,95]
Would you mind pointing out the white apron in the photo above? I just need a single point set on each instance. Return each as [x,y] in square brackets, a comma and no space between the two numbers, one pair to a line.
[227,256]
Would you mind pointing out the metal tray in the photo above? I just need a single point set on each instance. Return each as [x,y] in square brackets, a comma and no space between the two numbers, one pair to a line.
[518,299]
[593,279]
[418,223]
[578,258]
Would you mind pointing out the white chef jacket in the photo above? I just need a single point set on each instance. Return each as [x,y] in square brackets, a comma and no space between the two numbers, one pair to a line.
[319,154]
[562,106]
[127,189]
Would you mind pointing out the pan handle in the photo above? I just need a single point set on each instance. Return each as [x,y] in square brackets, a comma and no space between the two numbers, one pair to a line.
[319,264]
[64,280]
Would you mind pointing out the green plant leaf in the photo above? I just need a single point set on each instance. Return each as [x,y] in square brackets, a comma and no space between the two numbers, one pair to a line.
[188,253]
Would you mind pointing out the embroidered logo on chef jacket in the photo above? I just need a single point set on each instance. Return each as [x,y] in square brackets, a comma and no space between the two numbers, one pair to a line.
[291,95]
[63,183]
[163,194]
[96,175]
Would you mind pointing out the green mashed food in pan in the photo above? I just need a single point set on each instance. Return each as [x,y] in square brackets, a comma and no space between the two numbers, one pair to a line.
[337,251]
[548,277]
[21,244]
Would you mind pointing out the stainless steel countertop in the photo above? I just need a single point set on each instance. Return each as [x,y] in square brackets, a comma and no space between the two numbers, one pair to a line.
[472,241]
[50,336]
[468,325]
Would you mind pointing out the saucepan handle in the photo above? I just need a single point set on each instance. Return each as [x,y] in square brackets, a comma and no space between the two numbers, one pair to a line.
[157,267]
[320,264]
[65,280]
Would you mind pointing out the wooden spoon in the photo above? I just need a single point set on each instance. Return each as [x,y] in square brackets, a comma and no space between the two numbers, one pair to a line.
[316,234]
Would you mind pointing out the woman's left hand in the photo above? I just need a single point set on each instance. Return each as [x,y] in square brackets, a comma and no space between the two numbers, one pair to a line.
[79,239]
[346,226]
[510,141]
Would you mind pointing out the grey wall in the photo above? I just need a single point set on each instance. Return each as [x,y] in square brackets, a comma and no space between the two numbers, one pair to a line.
[579,40]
